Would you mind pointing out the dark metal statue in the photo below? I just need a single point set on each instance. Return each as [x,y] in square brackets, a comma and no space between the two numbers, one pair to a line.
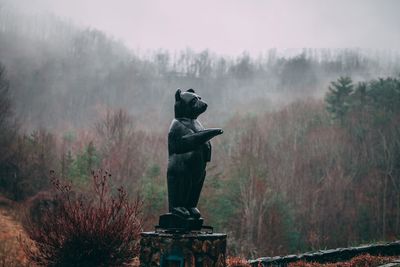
[189,150]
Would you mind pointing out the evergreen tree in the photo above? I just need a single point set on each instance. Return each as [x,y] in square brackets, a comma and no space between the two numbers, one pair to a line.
[8,127]
[338,98]
[359,97]
[84,163]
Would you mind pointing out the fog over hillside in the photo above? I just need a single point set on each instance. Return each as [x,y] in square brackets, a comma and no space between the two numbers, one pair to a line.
[230,27]
[62,75]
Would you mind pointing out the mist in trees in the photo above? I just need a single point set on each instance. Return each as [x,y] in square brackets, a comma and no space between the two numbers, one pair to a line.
[309,159]
[62,75]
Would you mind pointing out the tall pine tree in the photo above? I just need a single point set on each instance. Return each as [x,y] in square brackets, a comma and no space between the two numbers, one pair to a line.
[338,98]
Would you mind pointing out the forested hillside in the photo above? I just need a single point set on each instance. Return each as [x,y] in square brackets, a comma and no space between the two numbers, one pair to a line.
[63,76]
[310,157]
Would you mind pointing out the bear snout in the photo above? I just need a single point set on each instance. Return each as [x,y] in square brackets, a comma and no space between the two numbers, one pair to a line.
[204,107]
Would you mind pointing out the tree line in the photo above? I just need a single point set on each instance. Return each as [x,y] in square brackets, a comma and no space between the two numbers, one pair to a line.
[310,175]
[62,75]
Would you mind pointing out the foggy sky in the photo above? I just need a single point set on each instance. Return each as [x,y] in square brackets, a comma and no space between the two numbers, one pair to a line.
[231,26]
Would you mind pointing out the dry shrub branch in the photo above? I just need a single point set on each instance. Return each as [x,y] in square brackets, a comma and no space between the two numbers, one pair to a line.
[95,228]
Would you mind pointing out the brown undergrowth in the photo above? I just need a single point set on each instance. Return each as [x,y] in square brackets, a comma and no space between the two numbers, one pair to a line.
[11,254]
[365,260]
[236,262]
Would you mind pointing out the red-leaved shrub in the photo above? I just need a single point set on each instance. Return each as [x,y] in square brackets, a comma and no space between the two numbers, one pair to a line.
[93,228]
[236,262]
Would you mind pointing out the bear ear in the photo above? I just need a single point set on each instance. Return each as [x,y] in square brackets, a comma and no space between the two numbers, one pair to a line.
[178,95]
[190,91]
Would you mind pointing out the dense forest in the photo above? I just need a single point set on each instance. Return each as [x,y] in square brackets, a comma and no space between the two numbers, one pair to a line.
[310,157]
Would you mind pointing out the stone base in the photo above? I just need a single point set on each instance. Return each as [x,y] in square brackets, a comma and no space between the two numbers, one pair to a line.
[182,250]
[173,222]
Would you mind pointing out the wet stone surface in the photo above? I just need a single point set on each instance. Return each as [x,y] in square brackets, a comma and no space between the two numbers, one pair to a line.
[331,255]
[195,249]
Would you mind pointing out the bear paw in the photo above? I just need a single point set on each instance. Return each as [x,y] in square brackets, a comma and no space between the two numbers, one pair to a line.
[180,211]
[194,213]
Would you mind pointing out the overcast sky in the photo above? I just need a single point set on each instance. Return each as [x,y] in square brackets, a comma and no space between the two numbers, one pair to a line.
[232,26]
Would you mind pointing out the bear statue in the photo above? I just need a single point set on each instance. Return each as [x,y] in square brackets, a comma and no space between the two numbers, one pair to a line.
[189,150]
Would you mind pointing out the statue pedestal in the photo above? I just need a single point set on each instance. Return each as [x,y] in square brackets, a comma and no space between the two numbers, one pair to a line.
[171,221]
[182,249]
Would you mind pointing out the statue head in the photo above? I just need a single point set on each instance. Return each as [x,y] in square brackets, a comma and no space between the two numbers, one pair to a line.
[188,104]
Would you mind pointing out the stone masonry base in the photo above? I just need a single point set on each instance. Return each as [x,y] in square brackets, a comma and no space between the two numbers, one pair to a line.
[182,250]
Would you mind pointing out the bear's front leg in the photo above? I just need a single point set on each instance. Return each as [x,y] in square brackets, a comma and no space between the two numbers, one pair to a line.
[190,142]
